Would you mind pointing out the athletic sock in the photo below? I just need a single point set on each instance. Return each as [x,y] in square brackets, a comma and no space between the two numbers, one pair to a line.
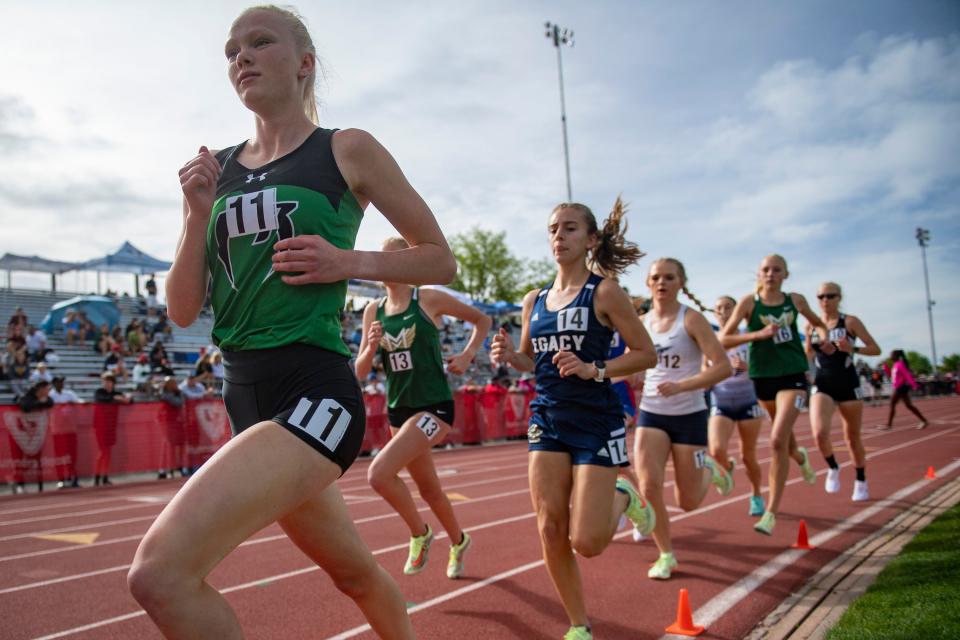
[831,462]
[862,474]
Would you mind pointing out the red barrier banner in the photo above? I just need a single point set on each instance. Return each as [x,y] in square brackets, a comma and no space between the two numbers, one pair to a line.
[73,440]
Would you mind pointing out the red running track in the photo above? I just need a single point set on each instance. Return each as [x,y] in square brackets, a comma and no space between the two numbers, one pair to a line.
[53,587]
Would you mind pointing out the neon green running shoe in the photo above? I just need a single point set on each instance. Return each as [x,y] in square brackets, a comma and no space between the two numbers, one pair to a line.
[721,478]
[578,632]
[638,510]
[457,551]
[809,475]
[419,552]
[663,567]
[766,524]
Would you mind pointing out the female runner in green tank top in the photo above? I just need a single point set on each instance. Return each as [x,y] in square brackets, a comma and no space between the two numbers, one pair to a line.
[778,368]
[403,328]
[271,224]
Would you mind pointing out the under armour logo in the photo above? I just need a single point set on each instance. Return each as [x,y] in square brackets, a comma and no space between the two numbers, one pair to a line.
[251,177]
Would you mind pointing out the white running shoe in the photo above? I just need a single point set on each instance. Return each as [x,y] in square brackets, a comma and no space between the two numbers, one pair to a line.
[637,536]
[860,492]
[832,485]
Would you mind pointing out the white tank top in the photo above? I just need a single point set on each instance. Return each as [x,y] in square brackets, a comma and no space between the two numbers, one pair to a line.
[678,358]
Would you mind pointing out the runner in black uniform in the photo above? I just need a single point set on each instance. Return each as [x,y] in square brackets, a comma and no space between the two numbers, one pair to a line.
[837,385]
[577,438]
[402,327]
[270,225]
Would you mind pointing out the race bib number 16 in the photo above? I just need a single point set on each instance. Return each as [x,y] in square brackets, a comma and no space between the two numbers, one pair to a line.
[783,334]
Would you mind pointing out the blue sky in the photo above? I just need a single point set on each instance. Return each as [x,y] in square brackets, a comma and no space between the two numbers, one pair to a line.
[823,131]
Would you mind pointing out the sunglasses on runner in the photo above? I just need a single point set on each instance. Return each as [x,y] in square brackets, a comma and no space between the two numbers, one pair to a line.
[827,296]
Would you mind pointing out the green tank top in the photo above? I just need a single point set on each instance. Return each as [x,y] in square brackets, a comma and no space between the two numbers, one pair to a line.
[301,193]
[783,354]
[410,351]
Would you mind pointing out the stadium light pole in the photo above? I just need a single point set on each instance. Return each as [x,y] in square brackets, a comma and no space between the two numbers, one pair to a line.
[562,36]
[923,238]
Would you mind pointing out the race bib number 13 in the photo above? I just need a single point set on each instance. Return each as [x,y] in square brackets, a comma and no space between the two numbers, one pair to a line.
[401,361]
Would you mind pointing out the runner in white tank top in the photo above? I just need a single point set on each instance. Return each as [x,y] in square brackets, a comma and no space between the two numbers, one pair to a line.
[673,412]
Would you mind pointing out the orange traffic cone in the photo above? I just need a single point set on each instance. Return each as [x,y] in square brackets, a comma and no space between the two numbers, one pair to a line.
[802,542]
[684,625]
[931,474]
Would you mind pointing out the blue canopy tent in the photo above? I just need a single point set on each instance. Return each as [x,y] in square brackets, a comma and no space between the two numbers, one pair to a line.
[499,308]
[98,309]
[127,259]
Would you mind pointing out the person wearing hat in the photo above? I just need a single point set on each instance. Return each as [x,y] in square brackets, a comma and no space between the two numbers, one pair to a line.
[40,372]
[64,428]
[106,399]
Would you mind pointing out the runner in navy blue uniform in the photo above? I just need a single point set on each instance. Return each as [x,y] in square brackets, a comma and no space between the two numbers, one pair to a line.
[576,436]
[837,386]
[269,227]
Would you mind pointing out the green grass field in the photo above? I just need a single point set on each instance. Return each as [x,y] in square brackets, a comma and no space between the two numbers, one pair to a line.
[917,595]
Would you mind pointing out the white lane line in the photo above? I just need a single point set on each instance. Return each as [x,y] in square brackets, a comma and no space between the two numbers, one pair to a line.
[75,513]
[729,597]
[284,576]
[464,590]
[46,583]
[79,527]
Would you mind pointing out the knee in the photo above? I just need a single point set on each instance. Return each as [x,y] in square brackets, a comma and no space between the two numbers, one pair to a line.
[154,584]
[554,532]
[379,480]
[780,442]
[357,583]
[823,439]
[587,546]
[431,493]
[688,503]
[651,487]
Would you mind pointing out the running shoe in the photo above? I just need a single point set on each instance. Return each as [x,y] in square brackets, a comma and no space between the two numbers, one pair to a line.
[756,506]
[809,475]
[860,492]
[457,551]
[721,478]
[638,510]
[663,567]
[579,632]
[832,485]
[766,524]
[638,536]
[419,552]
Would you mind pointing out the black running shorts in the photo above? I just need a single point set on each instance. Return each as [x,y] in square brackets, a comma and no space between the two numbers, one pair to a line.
[309,391]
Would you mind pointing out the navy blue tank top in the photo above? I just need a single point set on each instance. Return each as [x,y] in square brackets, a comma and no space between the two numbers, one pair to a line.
[573,328]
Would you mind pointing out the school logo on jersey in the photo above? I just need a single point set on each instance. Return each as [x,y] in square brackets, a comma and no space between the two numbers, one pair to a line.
[403,340]
[256,214]
[534,433]
[785,319]
[554,342]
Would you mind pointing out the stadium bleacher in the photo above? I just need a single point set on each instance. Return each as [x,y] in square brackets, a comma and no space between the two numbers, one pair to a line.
[80,364]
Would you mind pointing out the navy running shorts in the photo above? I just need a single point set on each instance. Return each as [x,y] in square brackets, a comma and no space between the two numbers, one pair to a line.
[690,428]
[309,391]
[737,413]
[840,388]
[589,438]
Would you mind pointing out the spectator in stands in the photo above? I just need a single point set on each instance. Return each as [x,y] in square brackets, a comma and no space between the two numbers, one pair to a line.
[116,334]
[72,329]
[40,372]
[498,384]
[107,400]
[374,385]
[87,329]
[63,425]
[142,374]
[151,288]
[526,383]
[163,330]
[159,361]
[103,342]
[216,363]
[36,342]
[18,373]
[193,389]
[17,321]
[172,457]
[136,338]
[114,364]
[203,370]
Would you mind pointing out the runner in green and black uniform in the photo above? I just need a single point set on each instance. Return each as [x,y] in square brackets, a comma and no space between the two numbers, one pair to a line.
[402,328]
[778,368]
[269,225]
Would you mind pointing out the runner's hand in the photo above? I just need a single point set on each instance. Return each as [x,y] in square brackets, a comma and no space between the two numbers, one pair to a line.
[768,331]
[374,334]
[501,348]
[667,389]
[568,364]
[738,364]
[198,180]
[844,345]
[312,257]
[458,364]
